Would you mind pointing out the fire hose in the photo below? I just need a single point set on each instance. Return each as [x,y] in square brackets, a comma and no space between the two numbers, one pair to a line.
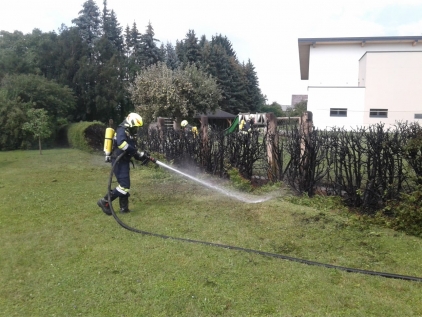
[268,254]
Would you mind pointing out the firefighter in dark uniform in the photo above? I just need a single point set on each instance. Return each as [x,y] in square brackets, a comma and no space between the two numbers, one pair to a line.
[246,126]
[124,141]
[186,127]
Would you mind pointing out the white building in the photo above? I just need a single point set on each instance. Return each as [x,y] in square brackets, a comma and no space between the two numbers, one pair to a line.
[358,81]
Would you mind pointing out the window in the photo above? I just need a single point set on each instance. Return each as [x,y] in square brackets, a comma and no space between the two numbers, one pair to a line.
[418,115]
[338,112]
[378,113]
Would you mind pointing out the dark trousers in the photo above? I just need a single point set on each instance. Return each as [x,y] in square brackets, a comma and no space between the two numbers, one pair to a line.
[122,173]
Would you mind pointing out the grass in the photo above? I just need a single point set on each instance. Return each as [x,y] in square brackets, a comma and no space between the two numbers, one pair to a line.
[61,256]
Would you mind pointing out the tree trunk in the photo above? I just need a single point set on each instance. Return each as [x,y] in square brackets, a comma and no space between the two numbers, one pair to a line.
[39,144]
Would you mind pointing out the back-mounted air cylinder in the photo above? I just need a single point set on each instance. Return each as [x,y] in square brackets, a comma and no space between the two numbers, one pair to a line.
[108,141]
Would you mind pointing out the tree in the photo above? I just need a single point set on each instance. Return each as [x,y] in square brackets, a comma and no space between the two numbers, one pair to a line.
[89,23]
[274,108]
[40,93]
[192,49]
[38,125]
[112,30]
[255,99]
[188,50]
[171,59]
[133,52]
[298,109]
[15,54]
[161,91]
[12,116]
[150,52]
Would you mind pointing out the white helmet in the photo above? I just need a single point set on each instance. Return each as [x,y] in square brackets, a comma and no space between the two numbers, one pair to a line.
[184,123]
[134,120]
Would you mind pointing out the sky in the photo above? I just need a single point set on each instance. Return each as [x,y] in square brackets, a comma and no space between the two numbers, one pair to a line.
[265,31]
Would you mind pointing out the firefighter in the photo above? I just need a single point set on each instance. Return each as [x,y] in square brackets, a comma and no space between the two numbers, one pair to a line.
[124,141]
[246,126]
[186,127]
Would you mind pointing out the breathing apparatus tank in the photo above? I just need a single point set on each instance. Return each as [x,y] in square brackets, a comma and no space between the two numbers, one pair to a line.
[108,143]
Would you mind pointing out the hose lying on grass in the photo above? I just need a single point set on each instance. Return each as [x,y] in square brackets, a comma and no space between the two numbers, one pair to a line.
[274,255]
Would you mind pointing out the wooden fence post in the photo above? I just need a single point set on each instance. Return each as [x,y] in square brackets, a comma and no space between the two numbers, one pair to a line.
[306,148]
[272,141]
[306,126]
[161,127]
[205,148]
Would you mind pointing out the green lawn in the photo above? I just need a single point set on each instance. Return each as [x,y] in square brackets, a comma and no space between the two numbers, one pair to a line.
[61,256]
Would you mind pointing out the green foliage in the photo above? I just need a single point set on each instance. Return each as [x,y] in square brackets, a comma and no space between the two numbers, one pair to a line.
[406,214]
[160,91]
[274,108]
[78,137]
[238,181]
[12,116]
[89,23]
[98,62]
[319,202]
[41,93]
[298,109]
[38,124]
[15,54]
[21,93]
[150,52]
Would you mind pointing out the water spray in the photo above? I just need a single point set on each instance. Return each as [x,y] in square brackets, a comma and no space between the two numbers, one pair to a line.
[216,188]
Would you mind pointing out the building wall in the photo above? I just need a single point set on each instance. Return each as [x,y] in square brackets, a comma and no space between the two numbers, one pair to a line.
[323,99]
[361,78]
[298,98]
[394,82]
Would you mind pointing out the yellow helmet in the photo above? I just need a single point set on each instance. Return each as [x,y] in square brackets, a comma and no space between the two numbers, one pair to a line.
[184,123]
[134,120]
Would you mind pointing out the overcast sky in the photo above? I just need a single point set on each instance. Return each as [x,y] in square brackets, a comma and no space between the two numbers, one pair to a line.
[265,31]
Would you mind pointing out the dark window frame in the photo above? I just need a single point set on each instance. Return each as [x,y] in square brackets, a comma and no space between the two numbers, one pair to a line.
[378,113]
[418,115]
[338,112]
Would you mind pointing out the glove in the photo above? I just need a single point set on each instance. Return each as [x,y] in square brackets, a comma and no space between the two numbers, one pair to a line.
[108,159]
[141,156]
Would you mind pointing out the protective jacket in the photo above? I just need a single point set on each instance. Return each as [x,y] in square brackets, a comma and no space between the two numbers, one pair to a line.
[124,141]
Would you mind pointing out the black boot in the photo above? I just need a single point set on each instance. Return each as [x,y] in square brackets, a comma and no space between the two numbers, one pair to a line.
[124,204]
[104,204]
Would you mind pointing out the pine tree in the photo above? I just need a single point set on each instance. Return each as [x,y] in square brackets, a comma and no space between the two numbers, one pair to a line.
[136,50]
[89,23]
[224,43]
[255,98]
[150,54]
[171,59]
[112,30]
[203,41]
[127,42]
[192,48]
[181,52]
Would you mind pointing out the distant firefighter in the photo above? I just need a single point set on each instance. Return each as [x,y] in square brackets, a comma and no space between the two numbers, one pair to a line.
[188,128]
[246,126]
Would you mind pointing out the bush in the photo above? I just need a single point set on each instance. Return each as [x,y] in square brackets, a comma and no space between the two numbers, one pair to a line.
[406,214]
[86,136]
[238,181]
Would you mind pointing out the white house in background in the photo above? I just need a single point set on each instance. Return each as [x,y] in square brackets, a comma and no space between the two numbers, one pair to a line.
[359,81]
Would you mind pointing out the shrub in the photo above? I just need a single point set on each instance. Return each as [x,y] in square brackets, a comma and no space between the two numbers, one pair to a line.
[86,136]
[238,181]
[406,214]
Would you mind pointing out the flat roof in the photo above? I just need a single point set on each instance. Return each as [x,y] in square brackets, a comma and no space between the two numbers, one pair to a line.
[217,114]
[305,46]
